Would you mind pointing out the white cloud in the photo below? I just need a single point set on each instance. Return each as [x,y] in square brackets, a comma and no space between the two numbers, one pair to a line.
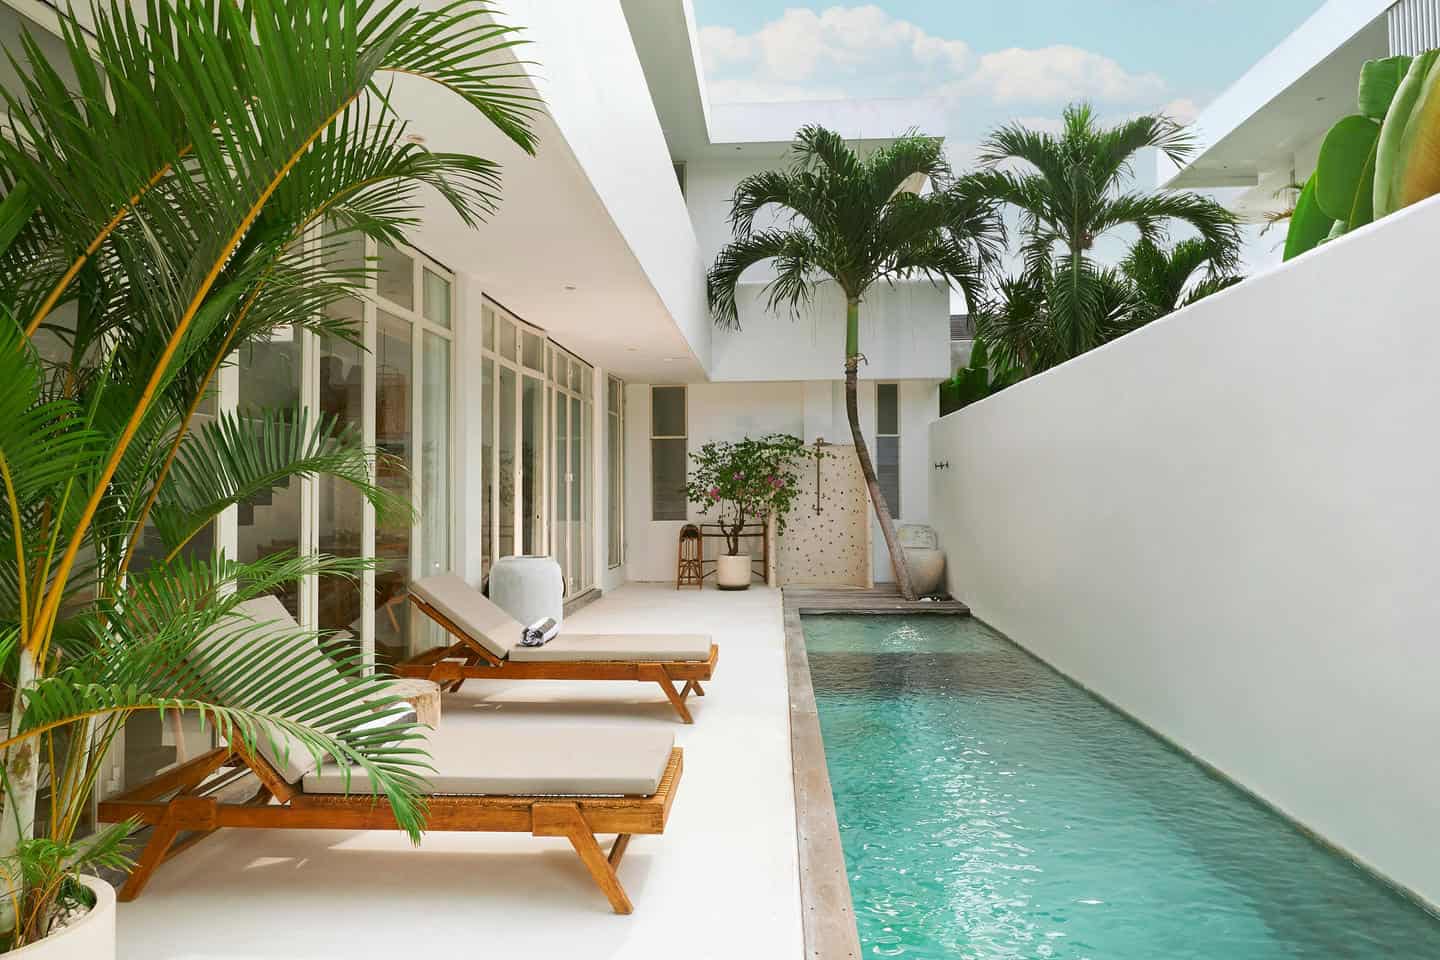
[1183,110]
[1058,73]
[720,46]
[836,50]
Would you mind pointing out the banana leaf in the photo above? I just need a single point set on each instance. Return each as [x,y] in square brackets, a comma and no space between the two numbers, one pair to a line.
[1309,226]
[1345,173]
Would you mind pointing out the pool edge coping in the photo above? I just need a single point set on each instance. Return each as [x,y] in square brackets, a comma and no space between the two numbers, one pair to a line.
[827,912]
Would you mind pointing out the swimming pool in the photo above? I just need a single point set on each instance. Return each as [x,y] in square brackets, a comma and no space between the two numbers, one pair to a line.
[989,808]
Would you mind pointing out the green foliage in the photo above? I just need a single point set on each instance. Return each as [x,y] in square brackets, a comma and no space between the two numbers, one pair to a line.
[746,480]
[39,885]
[1378,160]
[1345,172]
[1070,189]
[975,381]
[1309,225]
[1379,81]
[856,221]
[158,217]
[1398,150]
[1166,279]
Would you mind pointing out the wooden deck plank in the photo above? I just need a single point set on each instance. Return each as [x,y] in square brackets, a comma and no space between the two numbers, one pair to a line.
[883,599]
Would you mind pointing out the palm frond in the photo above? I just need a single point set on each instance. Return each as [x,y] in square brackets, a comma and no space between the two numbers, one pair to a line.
[796,248]
[240,455]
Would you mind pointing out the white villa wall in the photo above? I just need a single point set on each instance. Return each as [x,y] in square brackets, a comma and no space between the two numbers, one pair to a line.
[731,411]
[1226,524]
[595,89]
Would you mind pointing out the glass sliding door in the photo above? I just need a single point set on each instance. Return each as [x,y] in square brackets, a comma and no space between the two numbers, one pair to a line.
[339,507]
[532,466]
[487,465]
[560,468]
[394,445]
[270,374]
[506,461]
[435,507]
[536,449]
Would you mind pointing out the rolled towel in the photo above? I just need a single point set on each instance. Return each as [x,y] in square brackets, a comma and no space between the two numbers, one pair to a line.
[539,633]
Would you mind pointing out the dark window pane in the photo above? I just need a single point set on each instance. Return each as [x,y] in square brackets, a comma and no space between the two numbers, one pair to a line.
[887,408]
[887,471]
[667,412]
[667,462]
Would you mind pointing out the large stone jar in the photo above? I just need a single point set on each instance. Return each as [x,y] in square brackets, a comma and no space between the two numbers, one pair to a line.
[923,556]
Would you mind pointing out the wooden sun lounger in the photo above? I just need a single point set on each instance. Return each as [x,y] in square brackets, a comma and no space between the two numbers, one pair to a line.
[468,659]
[185,800]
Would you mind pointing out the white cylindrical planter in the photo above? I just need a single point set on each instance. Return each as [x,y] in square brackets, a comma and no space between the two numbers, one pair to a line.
[90,937]
[732,573]
[528,588]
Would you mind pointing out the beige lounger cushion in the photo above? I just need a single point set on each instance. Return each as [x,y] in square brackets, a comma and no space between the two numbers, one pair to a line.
[522,760]
[255,620]
[470,610]
[491,626]
[619,646]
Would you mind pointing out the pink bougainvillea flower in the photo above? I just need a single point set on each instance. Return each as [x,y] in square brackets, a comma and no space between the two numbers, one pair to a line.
[713,493]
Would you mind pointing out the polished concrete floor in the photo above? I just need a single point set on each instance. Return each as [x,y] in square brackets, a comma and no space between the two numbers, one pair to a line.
[720,883]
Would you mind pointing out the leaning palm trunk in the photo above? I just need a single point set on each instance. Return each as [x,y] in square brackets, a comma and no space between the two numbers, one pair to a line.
[858,221]
[862,451]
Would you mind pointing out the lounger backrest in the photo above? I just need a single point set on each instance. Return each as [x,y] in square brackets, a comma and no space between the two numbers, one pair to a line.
[471,611]
[248,625]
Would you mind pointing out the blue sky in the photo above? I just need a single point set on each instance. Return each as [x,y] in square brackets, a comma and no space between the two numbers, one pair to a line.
[992,60]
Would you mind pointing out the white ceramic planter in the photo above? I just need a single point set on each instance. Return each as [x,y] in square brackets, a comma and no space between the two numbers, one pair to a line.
[733,573]
[91,937]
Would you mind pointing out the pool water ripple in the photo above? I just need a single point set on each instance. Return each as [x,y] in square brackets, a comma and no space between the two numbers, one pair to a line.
[991,809]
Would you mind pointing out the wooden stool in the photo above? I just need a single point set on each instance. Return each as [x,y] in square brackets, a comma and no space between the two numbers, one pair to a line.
[690,566]
[423,695]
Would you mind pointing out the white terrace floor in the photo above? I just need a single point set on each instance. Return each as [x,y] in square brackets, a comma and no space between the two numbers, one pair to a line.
[722,881]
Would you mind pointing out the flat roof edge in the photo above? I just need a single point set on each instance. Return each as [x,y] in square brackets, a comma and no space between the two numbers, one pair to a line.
[1329,28]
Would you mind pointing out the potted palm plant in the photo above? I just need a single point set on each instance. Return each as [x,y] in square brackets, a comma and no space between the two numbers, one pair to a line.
[163,189]
[742,482]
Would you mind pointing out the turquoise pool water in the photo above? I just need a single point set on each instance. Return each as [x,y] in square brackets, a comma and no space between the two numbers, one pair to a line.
[989,808]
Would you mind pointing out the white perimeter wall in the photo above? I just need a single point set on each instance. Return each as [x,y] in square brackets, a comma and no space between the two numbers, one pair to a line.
[1227,524]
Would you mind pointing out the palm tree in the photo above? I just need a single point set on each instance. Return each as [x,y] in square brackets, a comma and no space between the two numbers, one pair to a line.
[1070,189]
[181,198]
[855,222]
[1167,279]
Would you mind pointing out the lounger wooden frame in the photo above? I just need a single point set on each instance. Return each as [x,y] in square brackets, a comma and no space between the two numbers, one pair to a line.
[183,801]
[468,659]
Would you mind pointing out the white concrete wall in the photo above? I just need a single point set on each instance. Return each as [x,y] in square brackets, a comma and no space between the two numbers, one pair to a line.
[1226,524]
[595,89]
[731,411]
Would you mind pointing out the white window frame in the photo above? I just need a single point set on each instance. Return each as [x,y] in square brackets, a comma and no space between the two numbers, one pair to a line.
[684,419]
[615,492]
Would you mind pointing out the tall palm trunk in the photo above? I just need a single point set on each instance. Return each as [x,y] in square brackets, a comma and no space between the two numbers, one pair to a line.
[852,410]
[21,781]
